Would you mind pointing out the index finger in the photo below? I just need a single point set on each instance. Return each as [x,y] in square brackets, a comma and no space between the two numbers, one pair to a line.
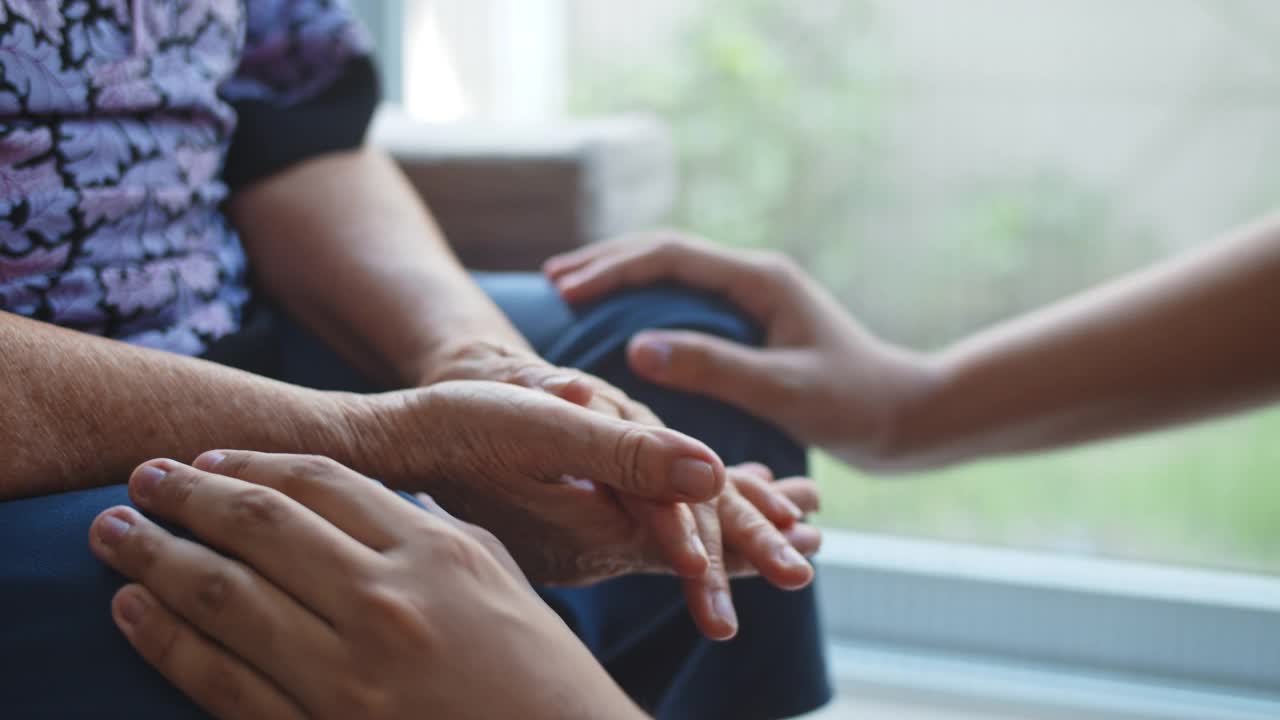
[218,681]
[358,506]
[698,264]
[286,543]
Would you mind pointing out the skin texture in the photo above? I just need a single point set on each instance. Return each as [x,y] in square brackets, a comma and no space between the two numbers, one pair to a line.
[1189,338]
[401,614]
[482,445]
[714,529]
[379,283]
[373,253]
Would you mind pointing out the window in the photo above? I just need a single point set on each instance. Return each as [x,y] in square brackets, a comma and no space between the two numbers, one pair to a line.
[488,60]
[942,166]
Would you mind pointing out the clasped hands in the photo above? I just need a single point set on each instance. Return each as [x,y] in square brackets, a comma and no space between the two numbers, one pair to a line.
[315,592]
[620,493]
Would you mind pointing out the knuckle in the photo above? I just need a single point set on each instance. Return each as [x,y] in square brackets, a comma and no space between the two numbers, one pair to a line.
[628,453]
[222,684]
[458,551]
[156,640]
[773,266]
[717,571]
[674,239]
[486,539]
[668,245]
[671,250]
[234,463]
[212,592]
[396,619]
[256,508]
[304,473]
[527,374]
[744,521]
[355,698]
[754,525]
[308,468]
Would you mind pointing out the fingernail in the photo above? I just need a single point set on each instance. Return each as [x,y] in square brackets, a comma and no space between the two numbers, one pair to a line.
[132,609]
[794,509]
[652,356]
[113,527]
[788,556]
[147,479]
[209,461]
[723,606]
[693,478]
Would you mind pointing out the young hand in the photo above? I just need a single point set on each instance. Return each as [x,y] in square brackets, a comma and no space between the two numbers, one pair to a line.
[318,593]
[821,376]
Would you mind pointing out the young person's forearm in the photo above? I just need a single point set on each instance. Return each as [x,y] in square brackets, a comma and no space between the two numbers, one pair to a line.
[1196,336]
[345,244]
[79,411]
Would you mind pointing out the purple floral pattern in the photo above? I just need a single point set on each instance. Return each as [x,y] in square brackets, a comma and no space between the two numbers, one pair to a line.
[115,119]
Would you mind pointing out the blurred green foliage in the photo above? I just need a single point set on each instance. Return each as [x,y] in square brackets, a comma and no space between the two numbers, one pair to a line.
[1204,496]
[772,118]
[776,109]
[776,112]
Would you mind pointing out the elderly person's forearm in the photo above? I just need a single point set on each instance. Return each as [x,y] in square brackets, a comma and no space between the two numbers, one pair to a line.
[345,245]
[78,411]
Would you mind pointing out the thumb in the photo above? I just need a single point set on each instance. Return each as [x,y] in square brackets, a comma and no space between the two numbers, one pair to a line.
[517,435]
[647,462]
[636,459]
[696,362]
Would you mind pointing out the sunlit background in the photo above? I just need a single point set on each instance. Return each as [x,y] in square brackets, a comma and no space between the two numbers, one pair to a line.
[941,165]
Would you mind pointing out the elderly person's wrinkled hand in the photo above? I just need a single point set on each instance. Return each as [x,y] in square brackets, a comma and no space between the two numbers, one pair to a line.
[730,532]
[580,496]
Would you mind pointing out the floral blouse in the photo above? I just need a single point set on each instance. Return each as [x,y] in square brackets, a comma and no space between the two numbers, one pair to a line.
[125,124]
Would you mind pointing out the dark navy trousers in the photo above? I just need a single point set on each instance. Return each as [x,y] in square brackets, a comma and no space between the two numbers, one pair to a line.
[61,656]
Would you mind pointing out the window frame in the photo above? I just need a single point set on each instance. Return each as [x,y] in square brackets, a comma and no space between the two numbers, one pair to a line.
[1061,631]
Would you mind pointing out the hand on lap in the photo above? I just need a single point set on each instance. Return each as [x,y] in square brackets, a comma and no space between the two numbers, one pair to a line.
[704,542]
[318,593]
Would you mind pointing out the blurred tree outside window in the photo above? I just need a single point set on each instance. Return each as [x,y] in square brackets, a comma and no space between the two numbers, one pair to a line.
[944,165]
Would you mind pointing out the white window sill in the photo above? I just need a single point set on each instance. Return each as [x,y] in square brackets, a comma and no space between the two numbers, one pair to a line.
[1048,635]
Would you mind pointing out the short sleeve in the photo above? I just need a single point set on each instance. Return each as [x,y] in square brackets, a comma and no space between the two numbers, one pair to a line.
[305,86]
